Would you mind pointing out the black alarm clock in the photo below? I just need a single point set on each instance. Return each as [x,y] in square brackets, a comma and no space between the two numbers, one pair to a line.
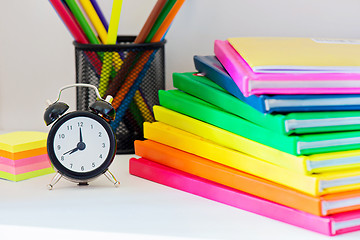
[81,145]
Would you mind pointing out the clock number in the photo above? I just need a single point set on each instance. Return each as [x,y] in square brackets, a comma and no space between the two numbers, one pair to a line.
[71,165]
[80,124]
[99,134]
[62,158]
[62,136]
[103,145]
[69,127]
[58,147]
[92,126]
[82,168]
[93,164]
[100,156]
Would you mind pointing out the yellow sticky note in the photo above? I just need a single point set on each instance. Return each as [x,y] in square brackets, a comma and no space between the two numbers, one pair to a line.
[22,141]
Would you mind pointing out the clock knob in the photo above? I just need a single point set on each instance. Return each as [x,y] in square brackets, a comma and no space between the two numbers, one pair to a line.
[109,99]
[54,111]
[104,108]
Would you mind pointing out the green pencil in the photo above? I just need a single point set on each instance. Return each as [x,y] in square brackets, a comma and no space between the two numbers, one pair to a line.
[82,21]
[164,12]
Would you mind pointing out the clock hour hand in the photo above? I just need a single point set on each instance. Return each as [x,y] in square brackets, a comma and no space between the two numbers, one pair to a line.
[71,151]
[80,146]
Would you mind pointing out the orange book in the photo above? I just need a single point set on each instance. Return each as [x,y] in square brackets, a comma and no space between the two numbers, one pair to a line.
[204,168]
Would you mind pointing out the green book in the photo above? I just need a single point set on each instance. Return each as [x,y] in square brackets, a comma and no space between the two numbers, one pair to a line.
[305,144]
[292,123]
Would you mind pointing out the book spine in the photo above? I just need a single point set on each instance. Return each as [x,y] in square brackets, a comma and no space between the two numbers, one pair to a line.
[231,140]
[197,86]
[212,68]
[176,138]
[346,222]
[227,176]
[217,74]
[225,57]
[196,108]
[216,192]
[264,107]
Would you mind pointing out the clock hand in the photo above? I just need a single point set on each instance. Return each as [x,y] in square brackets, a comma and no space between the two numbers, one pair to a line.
[81,139]
[80,146]
[74,150]
[71,151]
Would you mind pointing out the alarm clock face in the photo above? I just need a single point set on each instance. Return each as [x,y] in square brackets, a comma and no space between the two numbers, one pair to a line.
[81,145]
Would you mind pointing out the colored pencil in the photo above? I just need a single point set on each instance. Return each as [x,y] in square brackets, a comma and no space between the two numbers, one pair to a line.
[100,14]
[164,27]
[111,39]
[135,65]
[146,113]
[114,21]
[159,36]
[76,31]
[164,12]
[144,108]
[82,21]
[95,19]
[69,22]
[129,95]
[129,81]
[115,85]
[144,32]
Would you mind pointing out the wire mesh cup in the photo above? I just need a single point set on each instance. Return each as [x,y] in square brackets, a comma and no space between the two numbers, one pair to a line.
[131,73]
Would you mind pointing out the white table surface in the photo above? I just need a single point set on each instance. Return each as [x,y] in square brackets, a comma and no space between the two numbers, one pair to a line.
[137,209]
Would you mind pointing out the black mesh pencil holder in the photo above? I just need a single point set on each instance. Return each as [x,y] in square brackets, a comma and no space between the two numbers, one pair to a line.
[131,73]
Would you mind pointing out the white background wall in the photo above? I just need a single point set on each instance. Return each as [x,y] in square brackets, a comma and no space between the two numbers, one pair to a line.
[37,55]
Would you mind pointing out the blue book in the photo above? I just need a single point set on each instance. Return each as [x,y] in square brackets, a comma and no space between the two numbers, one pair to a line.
[212,69]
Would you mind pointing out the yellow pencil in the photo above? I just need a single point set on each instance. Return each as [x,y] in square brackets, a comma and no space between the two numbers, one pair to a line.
[114,22]
[111,39]
[95,20]
[143,107]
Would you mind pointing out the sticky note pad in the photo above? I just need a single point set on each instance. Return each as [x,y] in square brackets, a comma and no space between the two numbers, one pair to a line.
[26,175]
[22,141]
[23,154]
[24,161]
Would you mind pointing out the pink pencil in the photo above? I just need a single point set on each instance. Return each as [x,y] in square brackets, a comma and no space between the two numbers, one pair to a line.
[70,23]
[75,30]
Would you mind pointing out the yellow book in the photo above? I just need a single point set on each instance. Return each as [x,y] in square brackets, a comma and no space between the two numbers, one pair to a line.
[279,54]
[316,163]
[315,185]
[22,141]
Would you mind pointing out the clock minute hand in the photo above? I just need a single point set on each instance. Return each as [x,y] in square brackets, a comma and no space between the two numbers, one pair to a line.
[81,138]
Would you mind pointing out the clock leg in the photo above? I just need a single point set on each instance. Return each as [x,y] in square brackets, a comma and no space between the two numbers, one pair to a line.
[111,177]
[55,179]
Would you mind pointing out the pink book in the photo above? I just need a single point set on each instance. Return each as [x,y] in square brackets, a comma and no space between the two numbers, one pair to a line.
[329,225]
[255,83]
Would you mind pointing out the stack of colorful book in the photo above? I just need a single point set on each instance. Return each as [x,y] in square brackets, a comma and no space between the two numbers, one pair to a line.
[280,141]
[23,155]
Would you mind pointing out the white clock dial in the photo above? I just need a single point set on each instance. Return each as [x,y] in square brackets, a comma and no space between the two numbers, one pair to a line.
[81,144]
